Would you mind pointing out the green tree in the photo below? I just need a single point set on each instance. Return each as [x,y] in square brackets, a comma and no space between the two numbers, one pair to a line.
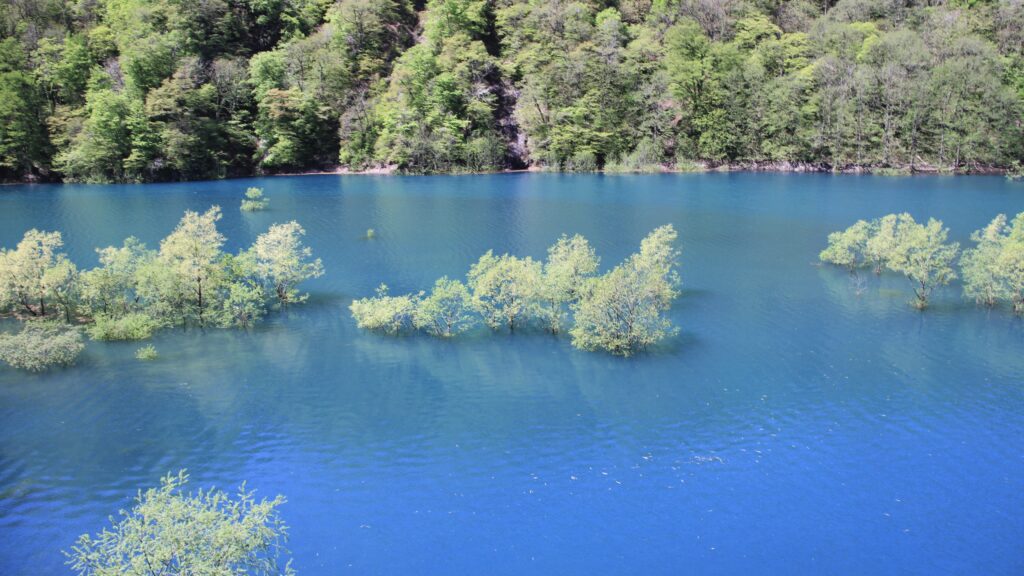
[622,312]
[993,271]
[281,262]
[254,200]
[446,311]
[923,256]
[570,263]
[506,289]
[847,248]
[192,253]
[385,313]
[30,270]
[169,531]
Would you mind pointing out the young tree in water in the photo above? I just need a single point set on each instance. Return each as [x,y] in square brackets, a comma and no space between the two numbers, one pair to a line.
[979,266]
[922,255]
[570,262]
[884,239]
[506,289]
[254,200]
[23,270]
[385,313]
[847,248]
[193,253]
[447,311]
[622,312]
[110,288]
[61,283]
[993,270]
[283,262]
[169,531]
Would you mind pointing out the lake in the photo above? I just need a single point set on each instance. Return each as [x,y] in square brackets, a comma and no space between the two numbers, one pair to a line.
[793,427]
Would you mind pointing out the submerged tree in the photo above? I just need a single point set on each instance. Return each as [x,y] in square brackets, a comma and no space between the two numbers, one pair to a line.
[848,248]
[282,262]
[506,289]
[570,263]
[446,311]
[622,312]
[922,255]
[40,345]
[169,531]
[192,254]
[385,313]
[23,272]
[993,270]
[254,200]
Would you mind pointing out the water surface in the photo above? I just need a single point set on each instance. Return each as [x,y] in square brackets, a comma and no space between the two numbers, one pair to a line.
[792,428]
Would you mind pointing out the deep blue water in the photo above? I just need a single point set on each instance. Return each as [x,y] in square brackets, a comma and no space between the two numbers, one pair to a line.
[792,428]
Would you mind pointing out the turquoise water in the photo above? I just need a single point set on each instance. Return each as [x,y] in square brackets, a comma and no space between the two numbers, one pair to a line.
[792,428]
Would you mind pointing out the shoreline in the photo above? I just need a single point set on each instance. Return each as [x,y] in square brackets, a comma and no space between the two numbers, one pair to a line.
[697,167]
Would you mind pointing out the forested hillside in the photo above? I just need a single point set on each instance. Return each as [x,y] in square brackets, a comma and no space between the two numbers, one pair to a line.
[145,90]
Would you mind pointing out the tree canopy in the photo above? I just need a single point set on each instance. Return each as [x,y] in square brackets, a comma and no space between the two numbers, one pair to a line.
[144,90]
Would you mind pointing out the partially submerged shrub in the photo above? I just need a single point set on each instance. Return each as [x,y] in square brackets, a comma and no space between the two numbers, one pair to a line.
[447,311]
[147,352]
[897,242]
[570,263]
[922,255]
[622,312]
[385,313]
[169,531]
[847,248]
[254,200]
[134,326]
[506,289]
[993,270]
[40,345]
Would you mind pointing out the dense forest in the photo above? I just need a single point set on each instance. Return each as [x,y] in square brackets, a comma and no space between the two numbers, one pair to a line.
[148,90]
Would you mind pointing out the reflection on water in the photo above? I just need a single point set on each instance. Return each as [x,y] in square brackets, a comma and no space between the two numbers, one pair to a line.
[794,427]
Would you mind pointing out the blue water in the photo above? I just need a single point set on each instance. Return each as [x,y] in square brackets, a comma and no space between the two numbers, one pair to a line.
[793,427]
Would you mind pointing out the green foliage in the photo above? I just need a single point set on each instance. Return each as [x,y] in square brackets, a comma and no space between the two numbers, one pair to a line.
[169,531]
[446,311]
[135,291]
[571,262]
[254,200]
[923,256]
[993,271]
[848,248]
[133,326]
[506,289]
[141,90]
[385,313]
[281,262]
[40,345]
[35,273]
[147,353]
[622,312]
[898,243]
